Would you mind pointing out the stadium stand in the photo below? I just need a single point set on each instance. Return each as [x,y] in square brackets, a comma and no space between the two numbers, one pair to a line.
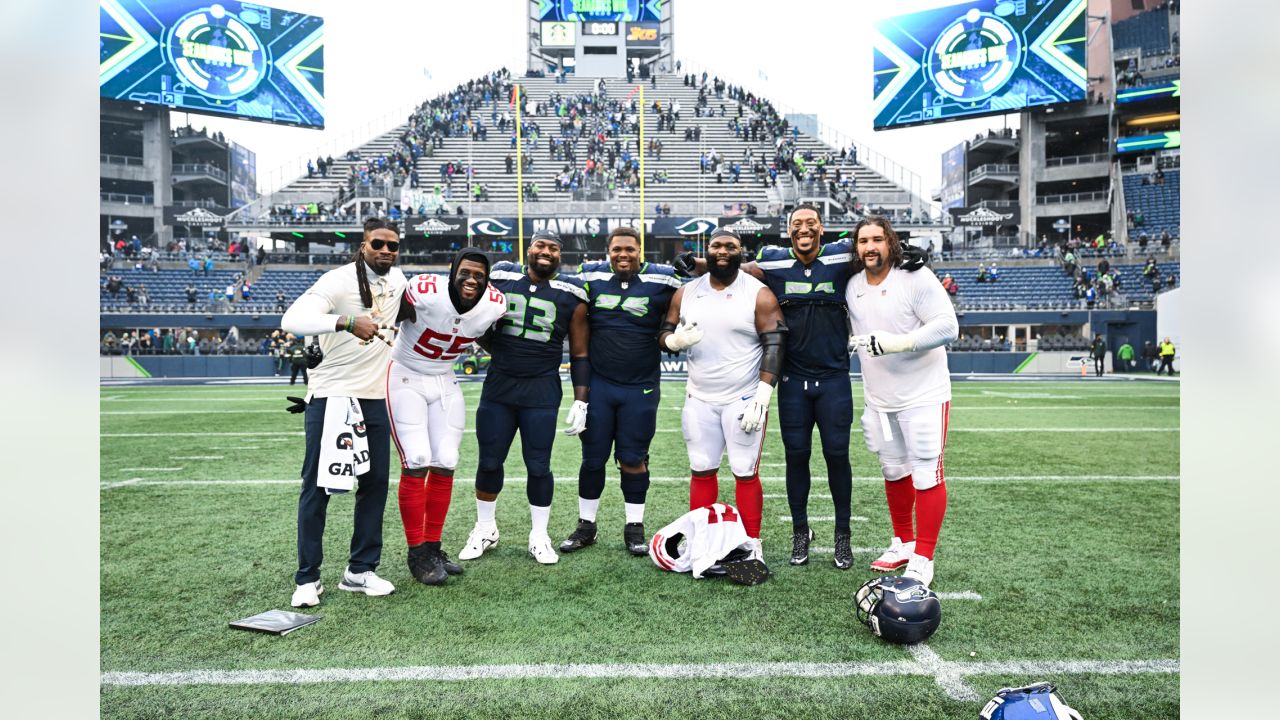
[1044,287]
[1158,202]
[1148,31]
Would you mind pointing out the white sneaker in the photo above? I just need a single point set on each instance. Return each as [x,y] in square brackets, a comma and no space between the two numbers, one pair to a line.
[895,557]
[479,541]
[541,550]
[307,594]
[365,582]
[757,549]
[920,568]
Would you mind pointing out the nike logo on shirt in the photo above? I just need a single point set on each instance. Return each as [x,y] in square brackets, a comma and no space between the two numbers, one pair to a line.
[646,392]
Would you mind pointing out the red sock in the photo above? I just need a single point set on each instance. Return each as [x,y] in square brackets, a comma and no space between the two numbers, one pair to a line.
[704,489]
[931,505]
[439,493]
[413,502]
[901,495]
[749,497]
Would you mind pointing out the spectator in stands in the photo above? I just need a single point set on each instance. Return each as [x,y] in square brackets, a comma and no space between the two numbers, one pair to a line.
[208,264]
[1090,296]
[230,293]
[1150,355]
[993,273]
[143,298]
[1167,353]
[1150,269]
[246,291]
[168,342]
[1165,239]
[982,273]
[1124,357]
[130,294]
[1069,263]
[281,304]
[1170,282]
[1098,351]
[114,283]
[110,345]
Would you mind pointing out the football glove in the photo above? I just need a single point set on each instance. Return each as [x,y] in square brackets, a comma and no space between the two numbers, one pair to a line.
[686,335]
[576,419]
[913,258]
[299,405]
[685,264]
[879,343]
[314,355]
[753,417]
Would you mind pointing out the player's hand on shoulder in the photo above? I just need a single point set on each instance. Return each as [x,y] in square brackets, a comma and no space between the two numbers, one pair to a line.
[913,258]
[685,264]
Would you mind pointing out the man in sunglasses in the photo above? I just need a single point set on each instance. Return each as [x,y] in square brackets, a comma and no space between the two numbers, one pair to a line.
[347,309]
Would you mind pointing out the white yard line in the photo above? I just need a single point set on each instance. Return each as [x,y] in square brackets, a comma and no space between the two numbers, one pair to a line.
[151,469]
[778,496]
[948,675]
[678,479]
[824,518]
[196,457]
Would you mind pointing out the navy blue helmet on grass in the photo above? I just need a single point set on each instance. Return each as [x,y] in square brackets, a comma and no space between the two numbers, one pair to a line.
[898,609]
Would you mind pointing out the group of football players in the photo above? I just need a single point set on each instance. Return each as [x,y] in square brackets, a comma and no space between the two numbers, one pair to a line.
[787,320]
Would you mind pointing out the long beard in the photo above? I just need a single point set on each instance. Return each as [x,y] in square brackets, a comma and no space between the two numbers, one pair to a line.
[726,272]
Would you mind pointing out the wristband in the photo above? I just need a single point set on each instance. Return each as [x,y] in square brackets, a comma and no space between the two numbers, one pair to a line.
[351,323]
[580,371]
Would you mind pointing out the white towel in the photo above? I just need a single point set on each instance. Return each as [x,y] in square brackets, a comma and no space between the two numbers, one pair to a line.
[344,447]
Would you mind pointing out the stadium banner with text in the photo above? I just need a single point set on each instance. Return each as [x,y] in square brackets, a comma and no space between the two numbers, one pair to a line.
[194,217]
[566,226]
[228,58]
[600,10]
[1143,143]
[642,34]
[244,176]
[977,57]
[432,225]
[750,226]
[987,217]
[954,173]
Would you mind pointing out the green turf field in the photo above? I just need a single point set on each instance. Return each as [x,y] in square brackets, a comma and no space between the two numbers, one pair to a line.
[1058,561]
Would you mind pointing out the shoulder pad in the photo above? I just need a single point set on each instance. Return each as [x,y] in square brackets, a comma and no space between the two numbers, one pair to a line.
[574,288]
[772,252]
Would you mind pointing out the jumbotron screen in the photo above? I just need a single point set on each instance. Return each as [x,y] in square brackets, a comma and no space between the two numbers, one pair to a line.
[600,10]
[224,58]
[965,59]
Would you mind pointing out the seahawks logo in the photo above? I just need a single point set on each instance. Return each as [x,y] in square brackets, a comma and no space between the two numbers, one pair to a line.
[696,226]
[488,226]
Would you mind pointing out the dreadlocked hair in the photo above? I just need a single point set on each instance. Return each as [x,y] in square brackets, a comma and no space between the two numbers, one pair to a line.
[362,275]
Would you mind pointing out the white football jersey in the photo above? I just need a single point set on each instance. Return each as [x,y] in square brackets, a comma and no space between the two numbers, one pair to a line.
[431,343]
[707,534]
[902,302]
[725,365]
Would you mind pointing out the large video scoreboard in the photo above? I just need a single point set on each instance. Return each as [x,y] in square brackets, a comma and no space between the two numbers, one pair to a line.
[223,58]
[966,59]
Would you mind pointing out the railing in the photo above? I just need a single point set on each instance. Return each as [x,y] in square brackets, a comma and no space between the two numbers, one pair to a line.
[127,198]
[196,203]
[1076,160]
[1072,198]
[200,169]
[120,159]
[998,204]
[993,169]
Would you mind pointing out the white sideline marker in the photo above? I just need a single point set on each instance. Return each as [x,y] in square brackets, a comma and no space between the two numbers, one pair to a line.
[824,518]
[925,662]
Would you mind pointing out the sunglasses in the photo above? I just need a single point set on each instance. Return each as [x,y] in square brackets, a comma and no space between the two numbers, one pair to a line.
[392,245]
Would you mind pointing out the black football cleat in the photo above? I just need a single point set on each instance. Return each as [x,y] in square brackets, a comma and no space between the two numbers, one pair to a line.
[582,536]
[843,559]
[746,572]
[633,538]
[450,567]
[800,546]
[426,563]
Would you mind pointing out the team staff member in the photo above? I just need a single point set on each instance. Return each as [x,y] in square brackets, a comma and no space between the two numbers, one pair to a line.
[732,327]
[627,300]
[346,308]
[901,321]
[1167,353]
[522,388]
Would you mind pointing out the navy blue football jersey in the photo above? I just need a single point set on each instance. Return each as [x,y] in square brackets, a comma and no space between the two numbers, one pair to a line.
[529,340]
[625,319]
[812,300]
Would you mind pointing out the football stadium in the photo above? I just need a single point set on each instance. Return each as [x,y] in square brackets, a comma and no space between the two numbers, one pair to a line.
[605,382]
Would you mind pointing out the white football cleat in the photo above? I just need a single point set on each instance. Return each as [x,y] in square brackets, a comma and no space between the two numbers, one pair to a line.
[307,595]
[757,549]
[541,550]
[365,582]
[480,541]
[895,557]
[920,568]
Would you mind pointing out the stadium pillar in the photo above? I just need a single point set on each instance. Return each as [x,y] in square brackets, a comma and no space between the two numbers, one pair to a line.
[642,176]
[515,93]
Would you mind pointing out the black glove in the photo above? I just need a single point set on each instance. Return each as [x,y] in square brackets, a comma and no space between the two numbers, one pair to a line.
[299,405]
[684,264]
[913,258]
[314,355]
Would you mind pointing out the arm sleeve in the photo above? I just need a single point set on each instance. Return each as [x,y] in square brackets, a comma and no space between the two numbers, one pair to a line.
[934,309]
[312,313]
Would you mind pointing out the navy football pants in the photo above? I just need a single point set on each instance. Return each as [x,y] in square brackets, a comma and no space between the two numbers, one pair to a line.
[802,403]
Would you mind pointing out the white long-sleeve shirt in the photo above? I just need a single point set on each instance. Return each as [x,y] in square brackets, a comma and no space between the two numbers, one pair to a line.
[904,303]
[349,368]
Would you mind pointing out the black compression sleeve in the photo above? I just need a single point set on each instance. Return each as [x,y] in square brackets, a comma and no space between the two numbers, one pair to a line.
[580,371]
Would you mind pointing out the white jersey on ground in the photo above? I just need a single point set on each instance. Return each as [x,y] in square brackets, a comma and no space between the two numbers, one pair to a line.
[725,365]
[441,334]
[902,302]
[707,534]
